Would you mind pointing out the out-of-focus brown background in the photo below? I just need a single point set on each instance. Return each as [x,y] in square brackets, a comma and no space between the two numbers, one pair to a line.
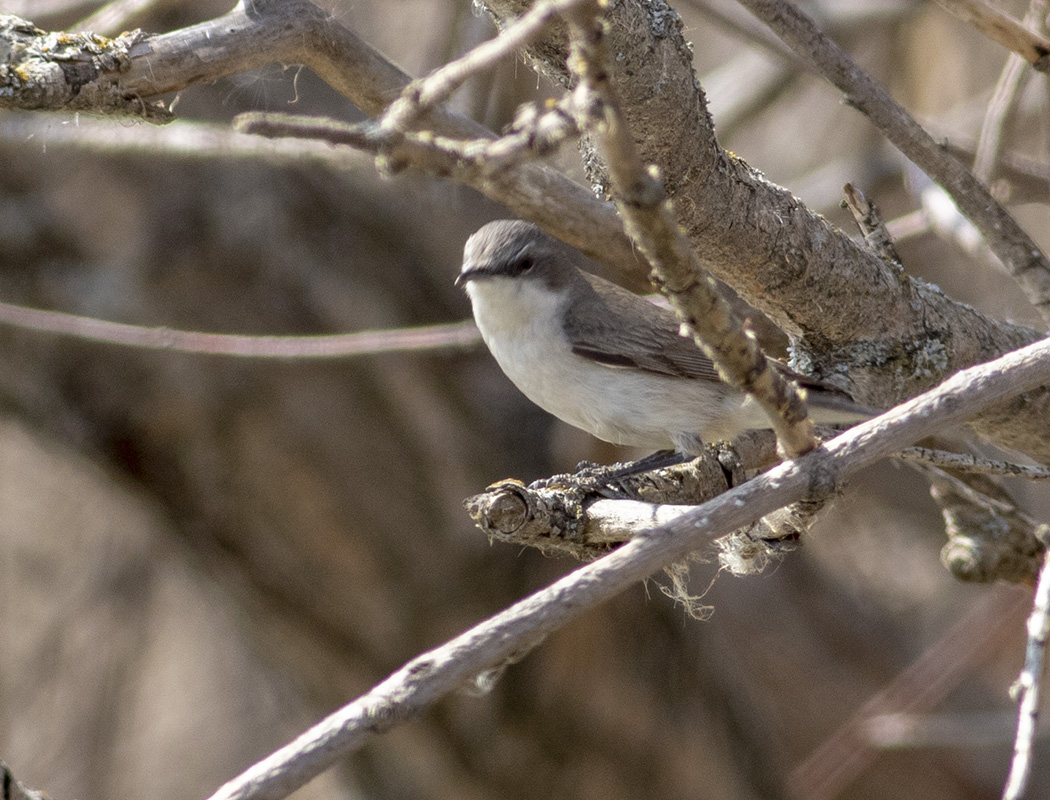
[201,556]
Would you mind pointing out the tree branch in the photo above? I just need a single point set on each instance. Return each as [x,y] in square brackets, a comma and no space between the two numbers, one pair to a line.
[1004,29]
[342,345]
[1026,690]
[1014,247]
[509,635]
[965,462]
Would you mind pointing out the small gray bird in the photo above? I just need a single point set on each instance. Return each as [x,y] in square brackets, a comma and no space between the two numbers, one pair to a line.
[600,357]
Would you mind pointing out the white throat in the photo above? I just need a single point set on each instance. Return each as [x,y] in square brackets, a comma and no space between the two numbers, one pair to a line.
[514,308]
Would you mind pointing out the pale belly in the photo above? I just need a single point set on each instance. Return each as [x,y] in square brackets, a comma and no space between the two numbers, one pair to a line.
[619,405]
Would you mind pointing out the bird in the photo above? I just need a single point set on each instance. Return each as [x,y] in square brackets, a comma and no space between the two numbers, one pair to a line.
[602,358]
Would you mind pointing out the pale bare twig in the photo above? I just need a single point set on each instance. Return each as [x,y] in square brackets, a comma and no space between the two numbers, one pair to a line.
[989,143]
[532,134]
[1010,243]
[343,345]
[507,636]
[183,139]
[1000,106]
[1026,689]
[536,134]
[966,462]
[649,221]
[1033,47]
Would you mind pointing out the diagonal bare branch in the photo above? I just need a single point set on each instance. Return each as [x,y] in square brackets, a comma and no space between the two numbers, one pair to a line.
[1000,27]
[509,635]
[1013,246]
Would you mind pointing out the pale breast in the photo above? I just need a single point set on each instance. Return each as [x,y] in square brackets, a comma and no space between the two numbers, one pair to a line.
[618,405]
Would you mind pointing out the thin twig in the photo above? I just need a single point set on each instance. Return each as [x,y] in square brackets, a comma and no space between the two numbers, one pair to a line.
[1002,28]
[966,462]
[1003,99]
[650,222]
[1013,246]
[1026,689]
[510,634]
[978,498]
[989,143]
[869,221]
[423,95]
[431,337]
[532,134]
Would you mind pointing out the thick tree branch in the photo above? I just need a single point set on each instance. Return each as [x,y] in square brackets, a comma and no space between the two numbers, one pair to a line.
[583,514]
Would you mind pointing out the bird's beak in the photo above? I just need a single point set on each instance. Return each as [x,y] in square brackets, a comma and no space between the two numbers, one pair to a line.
[471,273]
